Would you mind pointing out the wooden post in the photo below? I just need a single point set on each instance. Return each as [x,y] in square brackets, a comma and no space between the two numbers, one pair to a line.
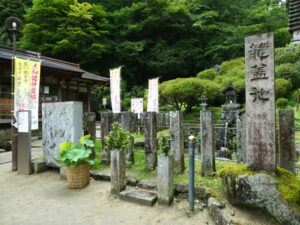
[150,140]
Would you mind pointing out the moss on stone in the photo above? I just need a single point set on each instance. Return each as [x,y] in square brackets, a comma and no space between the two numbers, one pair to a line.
[289,187]
[288,183]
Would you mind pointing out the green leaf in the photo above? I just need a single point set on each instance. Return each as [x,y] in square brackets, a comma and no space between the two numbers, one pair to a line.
[84,137]
[88,143]
[65,146]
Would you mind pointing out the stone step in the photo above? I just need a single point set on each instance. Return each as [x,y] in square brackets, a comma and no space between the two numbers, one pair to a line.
[138,196]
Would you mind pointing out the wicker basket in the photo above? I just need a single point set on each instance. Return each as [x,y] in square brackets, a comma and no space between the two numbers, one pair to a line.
[79,176]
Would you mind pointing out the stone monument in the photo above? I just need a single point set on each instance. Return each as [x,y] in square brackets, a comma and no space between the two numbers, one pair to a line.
[260,102]
[62,121]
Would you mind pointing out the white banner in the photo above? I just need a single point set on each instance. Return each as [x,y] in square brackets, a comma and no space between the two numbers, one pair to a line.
[27,85]
[153,105]
[137,105]
[115,89]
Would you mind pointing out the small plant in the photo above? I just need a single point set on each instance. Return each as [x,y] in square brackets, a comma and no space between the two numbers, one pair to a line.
[232,143]
[74,155]
[163,146]
[118,139]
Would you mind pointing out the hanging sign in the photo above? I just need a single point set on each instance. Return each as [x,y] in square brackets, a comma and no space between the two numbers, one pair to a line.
[27,85]
[137,105]
[153,105]
[115,89]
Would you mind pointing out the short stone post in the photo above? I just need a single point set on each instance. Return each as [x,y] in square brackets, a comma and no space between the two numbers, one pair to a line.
[129,123]
[118,171]
[89,124]
[241,137]
[208,146]
[177,147]
[287,140]
[106,126]
[150,140]
[165,187]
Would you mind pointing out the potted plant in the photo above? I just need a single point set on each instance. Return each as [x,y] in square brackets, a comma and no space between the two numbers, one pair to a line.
[165,187]
[77,159]
[118,142]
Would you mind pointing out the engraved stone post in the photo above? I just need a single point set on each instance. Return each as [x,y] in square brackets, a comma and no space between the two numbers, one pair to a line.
[165,188]
[129,123]
[208,146]
[177,147]
[118,171]
[241,137]
[106,126]
[89,124]
[260,102]
[149,119]
[287,140]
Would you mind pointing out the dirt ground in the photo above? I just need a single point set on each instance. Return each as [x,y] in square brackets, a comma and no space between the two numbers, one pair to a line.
[45,199]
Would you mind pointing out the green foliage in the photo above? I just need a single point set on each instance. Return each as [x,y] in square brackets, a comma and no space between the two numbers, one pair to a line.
[283,56]
[282,87]
[232,143]
[163,146]
[282,103]
[74,155]
[117,139]
[289,71]
[208,74]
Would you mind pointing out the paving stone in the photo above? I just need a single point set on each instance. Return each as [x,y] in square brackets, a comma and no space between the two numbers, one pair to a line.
[146,185]
[139,197]
[39,166]
[100,176]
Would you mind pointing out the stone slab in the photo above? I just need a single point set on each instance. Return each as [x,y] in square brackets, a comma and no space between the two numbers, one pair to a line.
[63,173]
[138,196]
[39,166]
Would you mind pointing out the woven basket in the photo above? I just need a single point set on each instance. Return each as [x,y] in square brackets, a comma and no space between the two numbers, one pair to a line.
[79,176]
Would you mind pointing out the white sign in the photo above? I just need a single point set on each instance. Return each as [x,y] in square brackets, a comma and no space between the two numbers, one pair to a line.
[153,105]
[104,101]
[23,123]
[137,105]
[115,89]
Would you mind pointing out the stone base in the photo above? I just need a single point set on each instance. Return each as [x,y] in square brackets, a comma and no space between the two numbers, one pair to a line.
[63,173]
[39,166]
[138,196]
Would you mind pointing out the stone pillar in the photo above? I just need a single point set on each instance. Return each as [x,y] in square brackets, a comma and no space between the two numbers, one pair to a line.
[149,119]
[62,121]
[106,126]
[118,171]
[260,102]
[177,146]
[89,124]
[208,145]
[165,186]
[287,140]
[129,123]
[241,137]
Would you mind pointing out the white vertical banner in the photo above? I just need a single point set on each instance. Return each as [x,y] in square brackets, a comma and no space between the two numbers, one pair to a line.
[153,105]
[137,105]
[115,89]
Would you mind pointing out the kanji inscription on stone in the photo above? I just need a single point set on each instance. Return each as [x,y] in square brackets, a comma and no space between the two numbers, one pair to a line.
[260,102]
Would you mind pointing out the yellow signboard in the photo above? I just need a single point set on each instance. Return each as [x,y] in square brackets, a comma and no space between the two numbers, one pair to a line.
[27,85]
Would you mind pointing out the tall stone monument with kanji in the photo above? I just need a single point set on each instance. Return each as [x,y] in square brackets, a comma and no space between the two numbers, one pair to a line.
[260,102]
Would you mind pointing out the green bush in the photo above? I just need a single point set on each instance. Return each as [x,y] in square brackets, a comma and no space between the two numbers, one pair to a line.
[208,74]
[282,103]
[118,139]
[282,56]
[236,64]
[282,87]
[289,71]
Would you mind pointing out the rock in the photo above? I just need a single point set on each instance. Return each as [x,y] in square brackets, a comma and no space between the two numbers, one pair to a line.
[214,202]
[181,188]
[216,213]
[39,166]
[200,193]
[132,181]
[2,150]
[146,185]
[100,176]
[139,144]
[139,197]
[63,173]
[260,191]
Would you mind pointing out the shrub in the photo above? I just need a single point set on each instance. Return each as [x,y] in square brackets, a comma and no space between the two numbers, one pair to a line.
[282,103]
[208,74]
[282,87]
[282,55]
[227,66]
[288,71]
[118,139]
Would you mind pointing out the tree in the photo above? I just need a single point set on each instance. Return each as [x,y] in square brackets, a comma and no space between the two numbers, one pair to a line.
[66,29]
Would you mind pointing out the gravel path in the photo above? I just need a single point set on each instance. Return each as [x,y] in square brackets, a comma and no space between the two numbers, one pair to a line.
[45,199]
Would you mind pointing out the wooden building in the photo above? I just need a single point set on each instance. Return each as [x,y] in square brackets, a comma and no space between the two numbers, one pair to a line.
[60,81]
